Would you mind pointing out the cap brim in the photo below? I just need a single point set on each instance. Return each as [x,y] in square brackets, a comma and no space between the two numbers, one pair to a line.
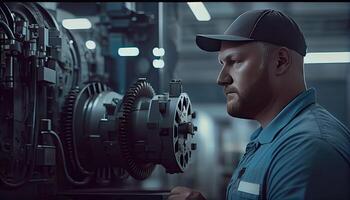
[212,43]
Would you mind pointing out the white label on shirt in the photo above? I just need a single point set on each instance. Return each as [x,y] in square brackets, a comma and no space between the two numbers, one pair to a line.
[251,188]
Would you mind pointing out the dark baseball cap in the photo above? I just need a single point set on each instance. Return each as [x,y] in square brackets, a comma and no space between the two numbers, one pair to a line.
[267,25]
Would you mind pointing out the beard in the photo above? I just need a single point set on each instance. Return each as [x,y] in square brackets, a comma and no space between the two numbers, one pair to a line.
[251,101]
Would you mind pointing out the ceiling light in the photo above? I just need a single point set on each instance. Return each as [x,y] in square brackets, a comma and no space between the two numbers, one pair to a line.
[327,57]
[158,51]
[158,63]
[199,10]
[128,51]
[90,44]
[78,23]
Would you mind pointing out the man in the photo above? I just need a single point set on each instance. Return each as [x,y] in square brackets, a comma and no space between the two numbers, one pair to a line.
[300,151]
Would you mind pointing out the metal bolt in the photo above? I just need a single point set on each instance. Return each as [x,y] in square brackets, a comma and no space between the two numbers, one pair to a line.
[194,115]
[189,127]
[193,146]
[115,100]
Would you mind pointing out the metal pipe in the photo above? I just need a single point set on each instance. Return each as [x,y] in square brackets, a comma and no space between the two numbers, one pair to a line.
[161,43]
[7,30]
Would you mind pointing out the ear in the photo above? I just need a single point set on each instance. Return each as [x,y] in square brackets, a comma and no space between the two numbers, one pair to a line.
[283,61]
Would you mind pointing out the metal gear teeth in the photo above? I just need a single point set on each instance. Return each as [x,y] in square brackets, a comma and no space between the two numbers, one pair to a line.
[67,124]
[141,87]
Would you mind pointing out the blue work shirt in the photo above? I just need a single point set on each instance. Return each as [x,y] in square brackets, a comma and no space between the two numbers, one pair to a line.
[303,153]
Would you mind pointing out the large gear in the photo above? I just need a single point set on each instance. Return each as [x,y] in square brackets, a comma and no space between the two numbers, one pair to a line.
[68,132]
[139,89]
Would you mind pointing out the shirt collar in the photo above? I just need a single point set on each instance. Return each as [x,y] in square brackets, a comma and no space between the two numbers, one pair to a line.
[267,134]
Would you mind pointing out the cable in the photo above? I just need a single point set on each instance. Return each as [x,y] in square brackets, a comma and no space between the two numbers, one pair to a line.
[60,146]
[8,17]
[4,16]
[7,30]
[34,141]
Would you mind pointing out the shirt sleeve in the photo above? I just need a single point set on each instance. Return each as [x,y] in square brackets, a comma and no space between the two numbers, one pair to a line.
[308,169]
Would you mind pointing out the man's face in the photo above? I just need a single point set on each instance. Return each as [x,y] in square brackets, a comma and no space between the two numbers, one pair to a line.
[245,77]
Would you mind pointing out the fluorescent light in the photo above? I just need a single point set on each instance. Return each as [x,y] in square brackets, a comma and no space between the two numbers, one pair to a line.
[327,57]
[158,63]
[90,44]
[158,51]
[199,10]
[128,51]
[78,23]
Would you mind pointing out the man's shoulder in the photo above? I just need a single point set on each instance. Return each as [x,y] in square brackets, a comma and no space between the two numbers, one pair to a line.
[316,121]
[313,129]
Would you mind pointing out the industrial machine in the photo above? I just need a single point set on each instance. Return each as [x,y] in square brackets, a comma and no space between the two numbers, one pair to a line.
[65,134]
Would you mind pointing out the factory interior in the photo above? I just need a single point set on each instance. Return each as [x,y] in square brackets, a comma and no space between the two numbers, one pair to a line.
[114,100]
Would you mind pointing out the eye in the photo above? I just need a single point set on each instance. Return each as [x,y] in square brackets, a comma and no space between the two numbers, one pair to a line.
[231,61]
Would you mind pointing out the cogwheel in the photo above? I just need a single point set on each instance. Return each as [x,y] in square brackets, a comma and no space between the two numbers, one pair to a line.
[67,131]
[139,89]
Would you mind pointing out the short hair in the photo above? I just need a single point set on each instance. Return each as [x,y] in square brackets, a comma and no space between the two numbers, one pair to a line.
[268,48]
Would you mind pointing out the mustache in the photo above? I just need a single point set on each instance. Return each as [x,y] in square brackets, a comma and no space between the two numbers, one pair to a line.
[230,90]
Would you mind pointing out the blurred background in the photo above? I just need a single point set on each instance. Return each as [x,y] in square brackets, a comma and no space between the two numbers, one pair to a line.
[163,48]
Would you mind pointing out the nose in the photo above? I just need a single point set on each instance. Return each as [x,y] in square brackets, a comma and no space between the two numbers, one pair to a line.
[224,77]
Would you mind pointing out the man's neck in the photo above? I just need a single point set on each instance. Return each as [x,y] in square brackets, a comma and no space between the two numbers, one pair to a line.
[276,106]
